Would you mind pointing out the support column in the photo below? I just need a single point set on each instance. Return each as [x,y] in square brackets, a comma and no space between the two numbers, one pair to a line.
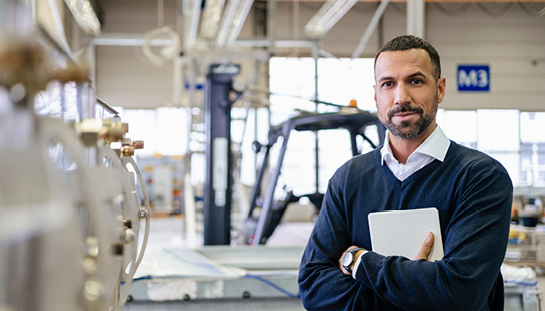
[416,18]
[219,158]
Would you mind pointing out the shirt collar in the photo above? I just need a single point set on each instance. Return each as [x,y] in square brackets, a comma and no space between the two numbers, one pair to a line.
[435,146]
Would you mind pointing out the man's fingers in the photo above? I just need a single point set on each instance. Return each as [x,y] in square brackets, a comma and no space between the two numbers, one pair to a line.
[425,250]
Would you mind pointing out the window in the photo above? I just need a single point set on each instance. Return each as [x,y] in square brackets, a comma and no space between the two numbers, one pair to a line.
[512,137]
[292,84]
[164,130]
[532,149]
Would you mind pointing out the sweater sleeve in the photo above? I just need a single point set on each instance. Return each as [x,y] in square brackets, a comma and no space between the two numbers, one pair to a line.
[322,285]
[475,241]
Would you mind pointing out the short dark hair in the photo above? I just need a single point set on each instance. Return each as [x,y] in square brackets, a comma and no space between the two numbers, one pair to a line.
[407,42]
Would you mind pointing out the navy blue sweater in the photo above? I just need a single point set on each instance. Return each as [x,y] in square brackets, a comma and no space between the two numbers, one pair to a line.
[473,194]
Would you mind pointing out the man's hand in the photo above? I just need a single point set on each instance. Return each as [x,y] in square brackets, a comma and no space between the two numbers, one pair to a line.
[423,253]
[426,247]
[356,256]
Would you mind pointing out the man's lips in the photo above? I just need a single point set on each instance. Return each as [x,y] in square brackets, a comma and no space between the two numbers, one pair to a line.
[404,115]
[404,112]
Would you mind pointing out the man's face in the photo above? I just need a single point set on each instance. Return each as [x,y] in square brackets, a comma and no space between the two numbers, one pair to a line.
[406,93]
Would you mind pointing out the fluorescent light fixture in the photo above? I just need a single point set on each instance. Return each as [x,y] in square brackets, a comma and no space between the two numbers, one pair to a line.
[328,15]
[192,12]
[85,16]
[233,19]
[211,18]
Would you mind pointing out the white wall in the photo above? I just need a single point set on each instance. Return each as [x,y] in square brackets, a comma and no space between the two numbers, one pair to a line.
[509,44]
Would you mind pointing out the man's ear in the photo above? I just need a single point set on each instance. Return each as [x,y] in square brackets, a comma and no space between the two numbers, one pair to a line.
[441,87]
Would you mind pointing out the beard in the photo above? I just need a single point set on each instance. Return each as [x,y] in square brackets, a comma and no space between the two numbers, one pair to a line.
[406,129]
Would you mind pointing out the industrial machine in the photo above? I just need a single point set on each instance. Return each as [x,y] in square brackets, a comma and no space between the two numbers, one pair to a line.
[70,234]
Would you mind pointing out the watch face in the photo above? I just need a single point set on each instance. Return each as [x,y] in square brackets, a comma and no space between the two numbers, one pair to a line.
[347,258]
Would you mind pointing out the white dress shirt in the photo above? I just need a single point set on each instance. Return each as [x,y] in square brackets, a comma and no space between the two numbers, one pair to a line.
[434,147]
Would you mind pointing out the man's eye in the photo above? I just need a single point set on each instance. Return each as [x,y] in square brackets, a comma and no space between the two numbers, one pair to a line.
[416,81]
[387,84]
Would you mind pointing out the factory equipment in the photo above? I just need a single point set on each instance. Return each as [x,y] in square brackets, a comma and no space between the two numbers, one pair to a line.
[70,230]
[219,158]
[257,231]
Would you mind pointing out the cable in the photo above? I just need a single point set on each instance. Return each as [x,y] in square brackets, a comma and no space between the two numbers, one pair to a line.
[497,14]
[529,12]
[455,12]
[280,289]
[149,277]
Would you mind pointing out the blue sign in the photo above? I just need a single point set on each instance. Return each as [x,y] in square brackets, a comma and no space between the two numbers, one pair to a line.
[473,78]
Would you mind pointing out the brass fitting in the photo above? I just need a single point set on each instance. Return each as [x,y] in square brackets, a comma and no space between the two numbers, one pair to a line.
[137,144]
[127,223]
[127,151]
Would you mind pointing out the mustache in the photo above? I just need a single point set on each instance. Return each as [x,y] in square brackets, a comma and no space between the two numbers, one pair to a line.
[403,109]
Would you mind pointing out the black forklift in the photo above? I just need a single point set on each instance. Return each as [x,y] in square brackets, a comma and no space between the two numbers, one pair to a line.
[258,229]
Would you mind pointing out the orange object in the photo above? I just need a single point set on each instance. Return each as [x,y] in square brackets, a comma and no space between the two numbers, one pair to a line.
[353,103]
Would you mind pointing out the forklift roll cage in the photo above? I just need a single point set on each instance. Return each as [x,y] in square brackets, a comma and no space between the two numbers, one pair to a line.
[352,119]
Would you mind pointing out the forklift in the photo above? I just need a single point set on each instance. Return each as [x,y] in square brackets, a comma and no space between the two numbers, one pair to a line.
[257,230]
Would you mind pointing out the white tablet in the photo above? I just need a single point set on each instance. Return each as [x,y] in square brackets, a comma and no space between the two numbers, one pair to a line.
[402,232]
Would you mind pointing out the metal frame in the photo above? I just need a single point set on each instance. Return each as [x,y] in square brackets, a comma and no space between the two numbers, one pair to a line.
[355,122]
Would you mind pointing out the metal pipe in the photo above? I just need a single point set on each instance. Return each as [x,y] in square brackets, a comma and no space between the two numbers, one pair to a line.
[370,28]
[315,54]
[277,43]
[271,18]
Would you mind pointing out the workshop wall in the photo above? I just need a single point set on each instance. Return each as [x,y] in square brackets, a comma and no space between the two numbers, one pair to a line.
[512,43]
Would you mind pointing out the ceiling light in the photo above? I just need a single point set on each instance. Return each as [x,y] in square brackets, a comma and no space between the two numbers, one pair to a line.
[211,18]
[233,19]
[328,15]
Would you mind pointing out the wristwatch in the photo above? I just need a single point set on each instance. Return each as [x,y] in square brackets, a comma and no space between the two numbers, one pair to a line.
[348,258]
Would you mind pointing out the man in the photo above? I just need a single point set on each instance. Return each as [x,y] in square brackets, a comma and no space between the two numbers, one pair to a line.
[417,167]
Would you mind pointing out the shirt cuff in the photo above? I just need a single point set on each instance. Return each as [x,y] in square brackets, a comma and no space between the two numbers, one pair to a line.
[357,264]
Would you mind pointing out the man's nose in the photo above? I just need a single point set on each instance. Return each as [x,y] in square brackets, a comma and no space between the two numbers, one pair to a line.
[402,95]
